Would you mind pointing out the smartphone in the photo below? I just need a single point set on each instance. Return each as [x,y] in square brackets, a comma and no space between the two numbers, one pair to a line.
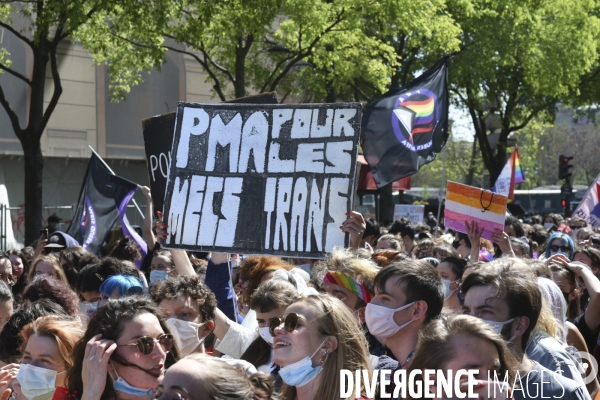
[44,233]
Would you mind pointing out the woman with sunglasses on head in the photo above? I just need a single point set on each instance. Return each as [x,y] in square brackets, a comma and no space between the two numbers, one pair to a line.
[124,352]
[316,338]
[47,349]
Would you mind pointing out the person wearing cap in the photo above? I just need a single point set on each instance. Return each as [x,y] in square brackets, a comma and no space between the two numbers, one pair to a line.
[58,241]
[53,224]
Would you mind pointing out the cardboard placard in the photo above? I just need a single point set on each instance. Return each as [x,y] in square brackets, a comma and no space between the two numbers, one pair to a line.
[468,203]
[262,179]
[412,212]
[158,138]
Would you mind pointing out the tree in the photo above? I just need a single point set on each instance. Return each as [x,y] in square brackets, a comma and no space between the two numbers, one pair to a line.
[511,68]
[42,25]
[263,46]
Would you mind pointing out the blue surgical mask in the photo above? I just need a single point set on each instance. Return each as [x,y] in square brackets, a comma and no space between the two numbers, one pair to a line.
[156,275]
[122,386]
[447,284]
[301,372]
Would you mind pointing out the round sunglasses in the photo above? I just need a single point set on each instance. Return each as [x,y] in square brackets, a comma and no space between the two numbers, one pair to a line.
[145,344]
[290,323]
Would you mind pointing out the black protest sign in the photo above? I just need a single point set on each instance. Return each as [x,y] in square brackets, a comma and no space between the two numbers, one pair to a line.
[158,139]
[262,179]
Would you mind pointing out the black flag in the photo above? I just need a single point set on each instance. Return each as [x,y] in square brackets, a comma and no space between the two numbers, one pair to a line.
[100,200]
[407,127]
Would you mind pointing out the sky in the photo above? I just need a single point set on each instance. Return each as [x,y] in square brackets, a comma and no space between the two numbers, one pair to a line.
[462,129]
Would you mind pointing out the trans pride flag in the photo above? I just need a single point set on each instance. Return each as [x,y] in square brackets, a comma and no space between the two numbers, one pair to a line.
[511,174]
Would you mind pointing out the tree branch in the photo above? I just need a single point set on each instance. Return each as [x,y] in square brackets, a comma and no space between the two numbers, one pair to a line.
[16,33]
[217,86]
[305,53]
[277,66]
[14,119]
[55,79]
[15,73]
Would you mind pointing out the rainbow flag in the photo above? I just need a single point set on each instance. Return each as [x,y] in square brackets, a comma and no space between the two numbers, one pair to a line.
[468,203]
[511,174]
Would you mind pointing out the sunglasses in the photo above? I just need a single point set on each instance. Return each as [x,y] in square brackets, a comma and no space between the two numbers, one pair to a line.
[290,323]
[145,344]
[565,249]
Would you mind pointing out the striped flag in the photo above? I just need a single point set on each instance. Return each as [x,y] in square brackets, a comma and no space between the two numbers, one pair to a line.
[511,174]
[468,203]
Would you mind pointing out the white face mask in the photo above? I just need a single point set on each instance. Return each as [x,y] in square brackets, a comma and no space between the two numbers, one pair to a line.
[447,284]
[266,335]
[380,320]
[186,335]
[497,326]
[37,383]
[548,225]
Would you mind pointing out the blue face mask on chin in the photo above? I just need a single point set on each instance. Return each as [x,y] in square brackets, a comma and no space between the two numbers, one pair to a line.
[122,386]
[158,275]
[301,372]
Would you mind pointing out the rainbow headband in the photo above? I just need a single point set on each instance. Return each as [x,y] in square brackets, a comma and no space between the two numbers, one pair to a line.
[343,280]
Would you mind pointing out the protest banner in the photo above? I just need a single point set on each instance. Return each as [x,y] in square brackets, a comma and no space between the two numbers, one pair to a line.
[158,139]
[262,179]
[589,207]
[412,212]
[468,203]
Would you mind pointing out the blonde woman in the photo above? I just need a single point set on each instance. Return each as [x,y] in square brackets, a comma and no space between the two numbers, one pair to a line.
[316,338]
[48,265]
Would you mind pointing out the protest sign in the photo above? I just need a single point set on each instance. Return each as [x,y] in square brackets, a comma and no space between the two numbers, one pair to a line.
[468,203]
[158,139]
[412,212]
[589,207]
[268,179]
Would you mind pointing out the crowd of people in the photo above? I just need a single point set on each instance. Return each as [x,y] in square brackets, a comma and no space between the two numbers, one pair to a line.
[403,297]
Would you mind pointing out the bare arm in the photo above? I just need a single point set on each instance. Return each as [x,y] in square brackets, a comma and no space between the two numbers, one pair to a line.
[221,324]
[183,265]
[148,219]
[474,234]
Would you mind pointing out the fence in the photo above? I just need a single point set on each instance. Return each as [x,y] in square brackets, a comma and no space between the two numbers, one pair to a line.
[15,218]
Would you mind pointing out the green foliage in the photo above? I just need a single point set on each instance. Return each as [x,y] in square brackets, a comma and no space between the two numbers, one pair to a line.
[517,58]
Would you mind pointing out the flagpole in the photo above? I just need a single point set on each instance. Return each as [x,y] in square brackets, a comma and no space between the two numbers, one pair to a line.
[112,172]
[442,188]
